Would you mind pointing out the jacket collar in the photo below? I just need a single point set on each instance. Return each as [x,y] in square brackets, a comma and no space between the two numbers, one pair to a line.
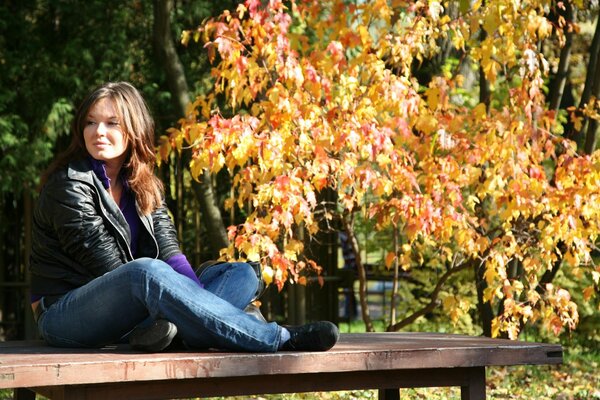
[84,169]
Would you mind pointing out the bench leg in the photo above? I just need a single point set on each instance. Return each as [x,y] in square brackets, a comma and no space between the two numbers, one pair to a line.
[389,394]
[475,390]
[23,394]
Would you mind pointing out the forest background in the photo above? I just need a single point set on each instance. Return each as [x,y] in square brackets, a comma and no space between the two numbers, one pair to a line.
[453,143]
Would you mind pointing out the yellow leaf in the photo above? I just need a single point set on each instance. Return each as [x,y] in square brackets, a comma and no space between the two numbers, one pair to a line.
[185,37]
[572,259]
[426,124]
[293,248]
[490,68]
[252,254]
[545,29]
[488,294]
[491,21]
[480,111]
[241,9]
[490,275]
[267,274]
[433,97]
[365,37]
[495,327]
[196,168]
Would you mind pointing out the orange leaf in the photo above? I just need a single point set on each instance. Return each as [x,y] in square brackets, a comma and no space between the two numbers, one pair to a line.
[389,259]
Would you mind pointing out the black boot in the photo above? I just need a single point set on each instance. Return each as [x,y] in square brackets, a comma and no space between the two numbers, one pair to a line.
[315,336]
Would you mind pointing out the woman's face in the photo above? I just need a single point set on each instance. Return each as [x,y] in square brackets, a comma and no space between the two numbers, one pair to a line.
[103,133]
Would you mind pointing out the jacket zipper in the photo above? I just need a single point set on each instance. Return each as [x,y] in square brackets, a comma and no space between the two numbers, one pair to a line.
[144,221]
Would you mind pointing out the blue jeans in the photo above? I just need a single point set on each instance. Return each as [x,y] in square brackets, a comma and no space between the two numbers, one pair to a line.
[109,307]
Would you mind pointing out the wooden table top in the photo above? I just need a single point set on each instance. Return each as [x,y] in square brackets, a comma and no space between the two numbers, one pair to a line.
[27,364]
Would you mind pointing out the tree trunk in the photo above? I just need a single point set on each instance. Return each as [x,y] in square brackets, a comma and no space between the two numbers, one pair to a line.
[167,55]
[213,220]
[592,66]
[591,136]
[171,64]
[394,295]
[591,86]
[486,314]
[563,65]
[484,89]
[484,86]
[362,274]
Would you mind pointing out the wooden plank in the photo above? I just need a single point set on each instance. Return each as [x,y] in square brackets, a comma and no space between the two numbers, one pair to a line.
[27,365]
[285,383]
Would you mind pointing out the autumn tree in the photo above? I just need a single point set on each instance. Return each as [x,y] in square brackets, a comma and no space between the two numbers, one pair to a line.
[322,95]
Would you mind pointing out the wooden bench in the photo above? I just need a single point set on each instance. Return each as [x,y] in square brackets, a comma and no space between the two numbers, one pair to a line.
[384,361]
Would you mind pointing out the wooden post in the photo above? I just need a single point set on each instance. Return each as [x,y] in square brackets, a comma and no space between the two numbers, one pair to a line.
[475,390]
[389,394]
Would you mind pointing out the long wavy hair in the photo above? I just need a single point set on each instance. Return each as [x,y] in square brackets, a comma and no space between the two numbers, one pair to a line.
[138,128]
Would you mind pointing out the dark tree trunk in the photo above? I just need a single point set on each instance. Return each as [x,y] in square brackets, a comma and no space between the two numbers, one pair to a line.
[362,274]
[484,308]
[591,88]
[171,64]
[562,73]
[591,137]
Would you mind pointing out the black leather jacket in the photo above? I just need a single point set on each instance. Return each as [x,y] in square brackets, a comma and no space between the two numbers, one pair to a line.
[79,233]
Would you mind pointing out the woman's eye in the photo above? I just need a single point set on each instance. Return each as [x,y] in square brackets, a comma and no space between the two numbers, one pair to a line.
[113,123]
[90,123]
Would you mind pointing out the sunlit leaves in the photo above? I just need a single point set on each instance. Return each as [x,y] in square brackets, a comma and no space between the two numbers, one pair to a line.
[320,96]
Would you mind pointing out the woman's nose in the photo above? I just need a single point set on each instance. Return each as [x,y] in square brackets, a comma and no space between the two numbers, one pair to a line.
[101,128]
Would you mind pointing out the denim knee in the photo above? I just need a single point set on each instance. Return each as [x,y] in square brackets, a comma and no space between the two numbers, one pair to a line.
[246,272]
[146,267]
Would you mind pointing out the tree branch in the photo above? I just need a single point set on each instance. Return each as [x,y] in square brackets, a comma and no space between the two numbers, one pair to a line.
[434,298]
[347,220]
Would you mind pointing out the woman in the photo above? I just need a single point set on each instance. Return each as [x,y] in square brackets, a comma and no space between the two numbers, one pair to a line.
[106,262]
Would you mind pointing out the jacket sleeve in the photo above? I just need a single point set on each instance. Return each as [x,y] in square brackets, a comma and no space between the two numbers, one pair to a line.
[165,233]
[70,211]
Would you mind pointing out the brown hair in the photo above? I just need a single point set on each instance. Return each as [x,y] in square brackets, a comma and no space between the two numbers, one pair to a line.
[138,128]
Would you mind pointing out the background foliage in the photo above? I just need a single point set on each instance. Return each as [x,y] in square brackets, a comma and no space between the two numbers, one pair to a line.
[454,140]
[52,53]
